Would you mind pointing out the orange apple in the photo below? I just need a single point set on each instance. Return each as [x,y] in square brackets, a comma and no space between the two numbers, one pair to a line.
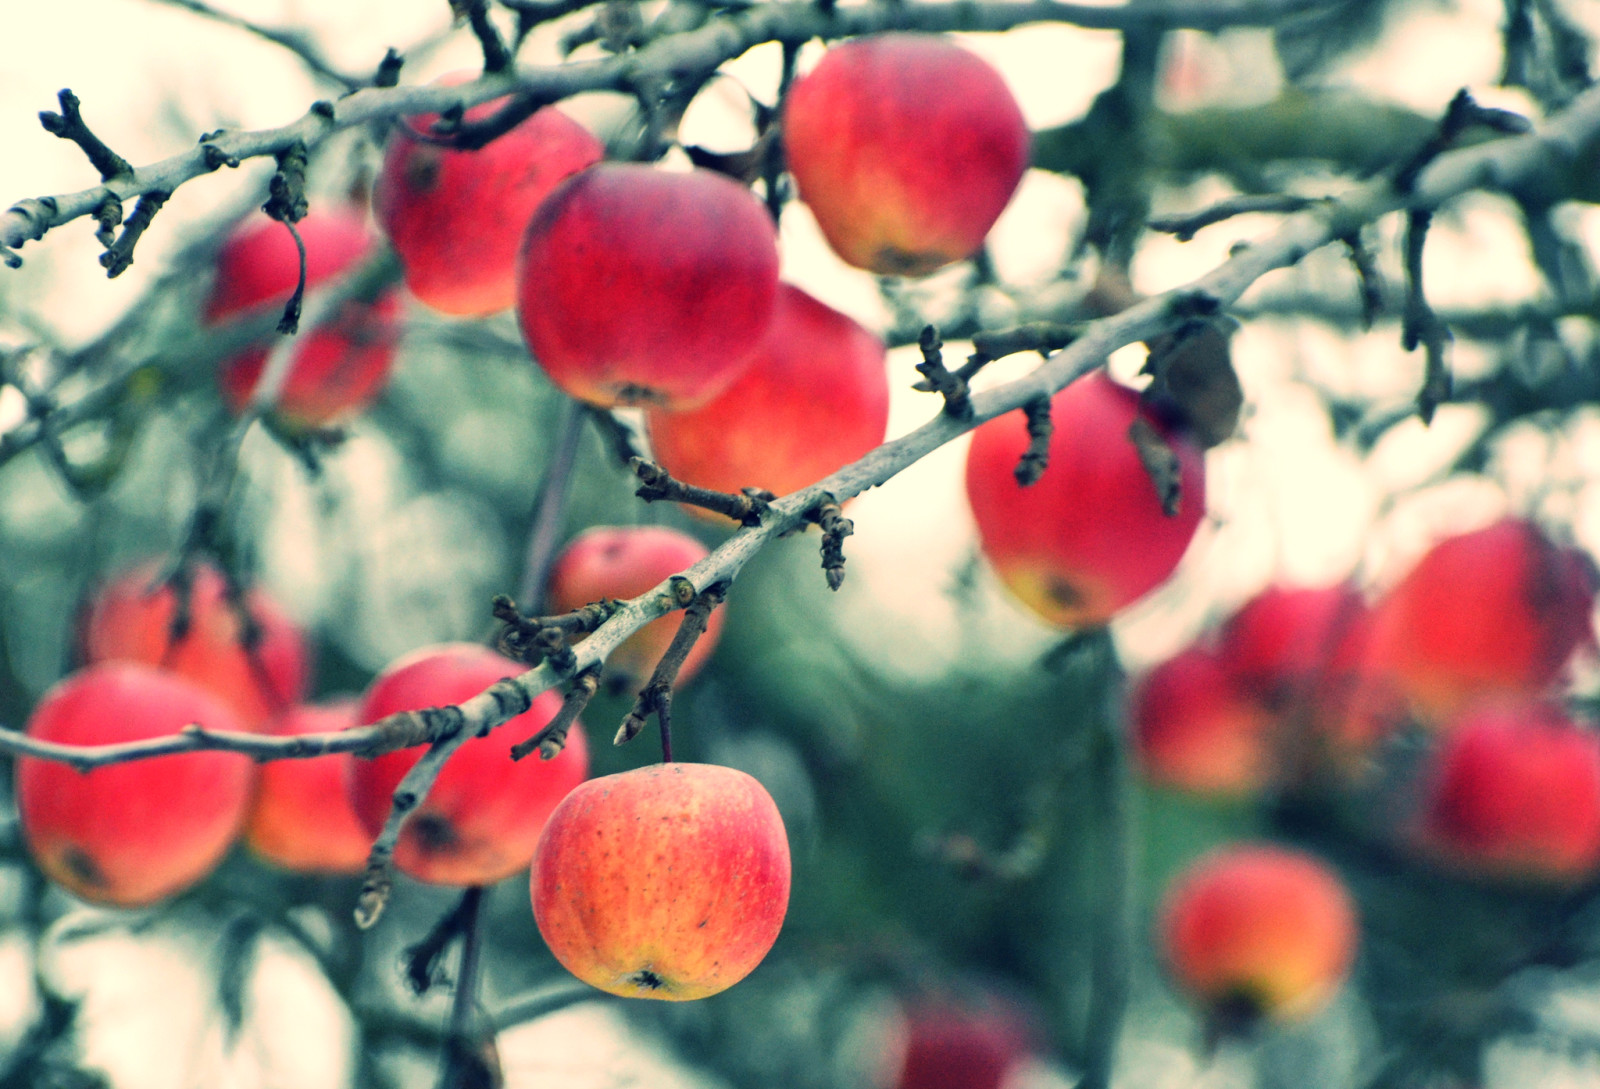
[455,218]
[338,369]
[130,619]
[1090,537]
[1515,793]
[302,818]
[669,881]
[814,398]
[1254,930]
[1194,729]
[626,561]
[642,286]
[135,833]
[481,821]
[906,147]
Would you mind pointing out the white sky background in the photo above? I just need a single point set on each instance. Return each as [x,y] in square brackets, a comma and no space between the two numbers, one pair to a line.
[1288,503]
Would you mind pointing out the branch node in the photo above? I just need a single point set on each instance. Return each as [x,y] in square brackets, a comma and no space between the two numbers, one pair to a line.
[655,483]
[937,378]
[287,199]
[1036,458]
[829,517]
[119,255]
[388,73]
[553,737]
[69,125]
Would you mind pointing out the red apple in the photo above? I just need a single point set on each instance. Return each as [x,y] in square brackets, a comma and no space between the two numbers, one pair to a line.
[669,881]
[949,1045]
[1194,729]
[1090,537]
[1493,614]
[814,399]
[1254,930]
[481,821]
[130,618]
[455,218]
[338,369]
[906,147]
[134,833]
[641,286]
[1515,793]
[302,818]
[626,561]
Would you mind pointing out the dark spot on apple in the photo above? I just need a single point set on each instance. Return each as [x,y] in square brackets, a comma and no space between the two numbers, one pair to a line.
[701,924]
[422,170]
[633,394]
[1063,592]
[435,833]
[83,868]
[647,979]
[898,262]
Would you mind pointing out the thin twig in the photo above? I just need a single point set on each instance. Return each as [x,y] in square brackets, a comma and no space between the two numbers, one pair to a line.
[552,505]
[656,696]
[655,483]
[1184,228]
[296,42]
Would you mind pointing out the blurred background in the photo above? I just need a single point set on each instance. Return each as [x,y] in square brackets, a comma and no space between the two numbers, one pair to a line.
[953,773]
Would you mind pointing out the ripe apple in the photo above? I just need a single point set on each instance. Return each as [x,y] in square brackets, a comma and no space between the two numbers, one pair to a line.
[130,618]
[302,818]
[1194,729]
[906,147]
[1514,792]
[455,218]
[814,398]
[1492,614]
[134,833]
[641,286]
[481,821]
[949,1045]
[623,562]
[669,881]
[338,369]
[1254,930]
[1090,537]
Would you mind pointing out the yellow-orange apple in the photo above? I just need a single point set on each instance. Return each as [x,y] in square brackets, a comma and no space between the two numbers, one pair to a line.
[1091,536]
[302,818]
[906,147]
[130,619]
[626,561]
[455,218]
[642,286]
[1255,930]
[814,398]
[669,881]
[481,821]
[134,833]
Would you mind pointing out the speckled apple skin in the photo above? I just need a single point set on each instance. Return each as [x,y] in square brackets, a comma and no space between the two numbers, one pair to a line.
[642,286]
[130,834]
[906,147]
[667,882]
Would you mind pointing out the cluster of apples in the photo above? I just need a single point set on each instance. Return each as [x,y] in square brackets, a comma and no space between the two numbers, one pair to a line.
[630,873]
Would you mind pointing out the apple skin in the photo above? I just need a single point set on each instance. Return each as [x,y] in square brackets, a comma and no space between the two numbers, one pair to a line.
[1492,614]
[669,881]
[481,821]
[1255,930]
[946,1045]
[338,369]
[906,147]
[130,834]
[454,218]
[1194,729]
[302,819]
[1089,538]
[639,286]
[127,620]
[1514,794]
[622,562]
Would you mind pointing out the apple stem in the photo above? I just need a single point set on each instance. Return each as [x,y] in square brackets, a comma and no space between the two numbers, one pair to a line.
[464,1059]
[656,696]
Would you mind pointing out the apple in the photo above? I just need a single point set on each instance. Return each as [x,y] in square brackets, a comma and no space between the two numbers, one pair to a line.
[906,147]
[945,1044]
[338,369]
[481,821]
[1492,614]
[1090,537]
[669,881]
[1514,793]
[455,218]
[130,618]
[1194,728]
[134,833]
[1255,930]
[302,818]
[642,286]
[622,562]
[814,398]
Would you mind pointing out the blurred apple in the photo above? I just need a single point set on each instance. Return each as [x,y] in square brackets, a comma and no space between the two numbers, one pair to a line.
[944,1044]
[302,818]
[906,148]
[134,833]
[1194,729]
[669,881]
[641,286]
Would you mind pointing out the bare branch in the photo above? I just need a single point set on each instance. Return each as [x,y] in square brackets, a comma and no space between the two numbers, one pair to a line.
[296,42]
